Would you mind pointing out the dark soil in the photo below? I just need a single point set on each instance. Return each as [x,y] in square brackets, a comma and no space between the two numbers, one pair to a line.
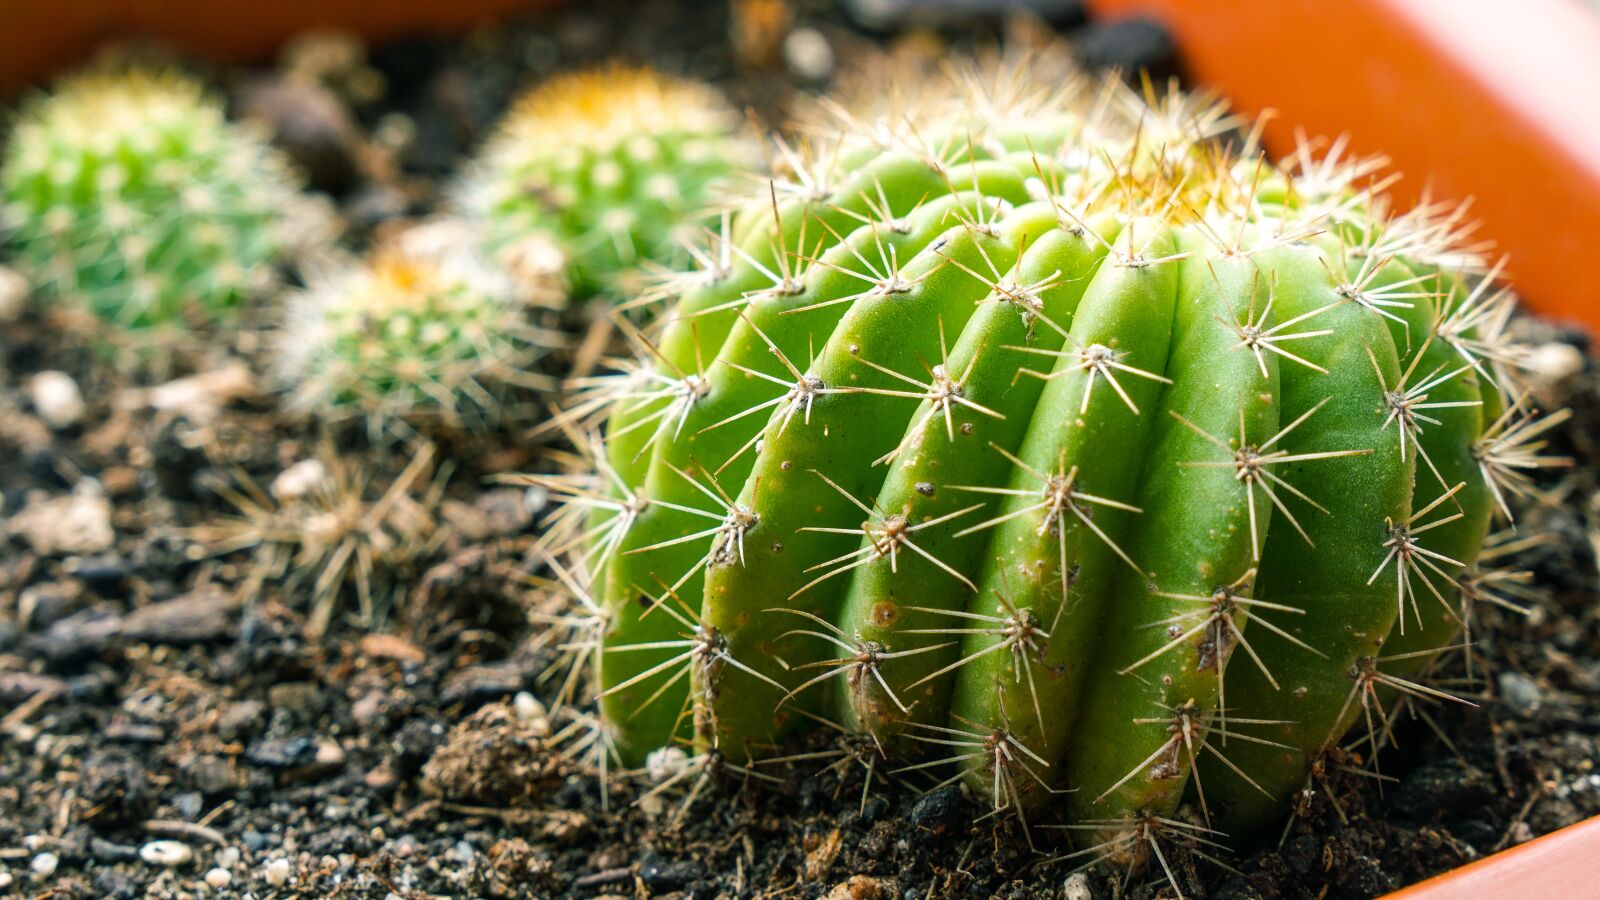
[166,713]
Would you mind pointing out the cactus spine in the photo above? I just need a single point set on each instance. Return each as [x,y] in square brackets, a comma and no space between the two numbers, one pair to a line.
[1059,443]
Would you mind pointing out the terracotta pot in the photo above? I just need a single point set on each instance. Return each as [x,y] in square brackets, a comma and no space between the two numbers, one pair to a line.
[39,37]
[1562,864]
[1484,99]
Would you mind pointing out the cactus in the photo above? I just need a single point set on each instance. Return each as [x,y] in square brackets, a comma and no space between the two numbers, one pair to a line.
[1060,441]
[423,330]
[605,170]
[133,196]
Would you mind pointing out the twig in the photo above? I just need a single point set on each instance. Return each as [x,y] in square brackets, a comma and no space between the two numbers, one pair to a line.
[604,876]
[178,828]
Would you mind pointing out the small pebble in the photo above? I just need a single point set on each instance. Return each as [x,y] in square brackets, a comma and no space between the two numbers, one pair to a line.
[329,754]
[1521,693]
[56,398]
[201,397]
[299,480]
[535,264]
[228,857]
[1553,363]
[664,762]
[76,524]
[531,712]
[858,887]
[218,878]
[277,872]
[166,853]
[13,294]
[5,880]
[1077,888]
[808,54]
[44,865]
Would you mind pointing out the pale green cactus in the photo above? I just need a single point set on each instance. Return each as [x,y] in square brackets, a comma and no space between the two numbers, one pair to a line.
[132,195]
[606,171]
[423,331]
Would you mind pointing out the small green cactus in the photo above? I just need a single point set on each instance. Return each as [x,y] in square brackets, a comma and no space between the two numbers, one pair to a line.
[425,330]
[1058,441]
[604,170]
[132,195]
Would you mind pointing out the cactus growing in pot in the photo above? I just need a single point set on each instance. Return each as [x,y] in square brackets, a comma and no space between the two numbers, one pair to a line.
[131,195]
[602,173]
[424,330]
[1058,441]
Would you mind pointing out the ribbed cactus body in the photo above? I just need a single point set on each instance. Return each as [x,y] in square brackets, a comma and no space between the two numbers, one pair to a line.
[612,169]
[132,195]
[424,331]
[1061,447]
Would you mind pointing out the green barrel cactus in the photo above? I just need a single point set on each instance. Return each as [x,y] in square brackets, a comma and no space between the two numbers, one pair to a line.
[604,173]
[1061,443]
[132,195]
[425,330]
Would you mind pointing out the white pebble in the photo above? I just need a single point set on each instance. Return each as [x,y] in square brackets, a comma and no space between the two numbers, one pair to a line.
[1077,888]
[218,878]
[56,399]
[44,865]
[277,872]
[5,880]
[531,713]
[228,857]
[298,480]
[808,54]
[166,853]
[664,762]
[329,754]
[13,294]
[1553,363]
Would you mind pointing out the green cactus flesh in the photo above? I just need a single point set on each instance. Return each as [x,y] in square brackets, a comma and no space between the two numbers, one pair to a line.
[1091,461]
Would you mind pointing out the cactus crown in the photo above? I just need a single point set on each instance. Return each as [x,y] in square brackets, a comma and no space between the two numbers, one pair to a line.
[1057,439]
[424,330]
[608,167]
[131,194]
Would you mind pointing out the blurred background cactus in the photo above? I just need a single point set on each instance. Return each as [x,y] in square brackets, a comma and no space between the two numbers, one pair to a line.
[603,173]
[129,194]
[424,330]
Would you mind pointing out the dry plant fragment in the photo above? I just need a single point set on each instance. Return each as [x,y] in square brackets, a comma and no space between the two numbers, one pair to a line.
[331,531]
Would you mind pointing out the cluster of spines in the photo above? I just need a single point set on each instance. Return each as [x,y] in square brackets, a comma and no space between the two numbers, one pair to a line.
[425,330]
[606,171]
[1015,428]
[131,195]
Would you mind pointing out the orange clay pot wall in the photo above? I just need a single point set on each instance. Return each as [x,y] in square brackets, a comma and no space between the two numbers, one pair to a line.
[40,37]
[1489,99]
[1563,865]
